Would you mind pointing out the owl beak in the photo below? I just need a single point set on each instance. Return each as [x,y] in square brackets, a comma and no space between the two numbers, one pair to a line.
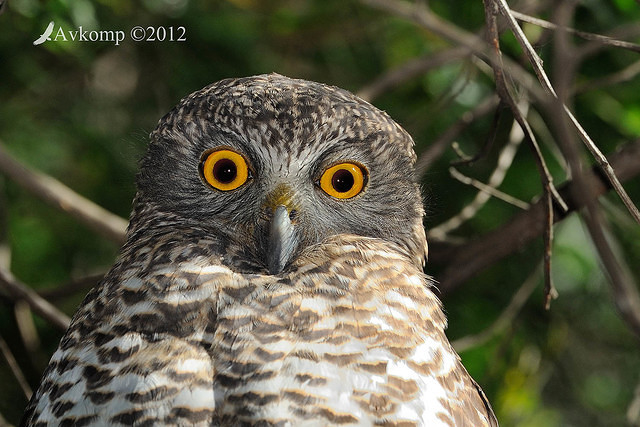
[282,240]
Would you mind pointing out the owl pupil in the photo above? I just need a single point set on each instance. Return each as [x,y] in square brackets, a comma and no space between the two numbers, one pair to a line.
[225,170]
[342,181]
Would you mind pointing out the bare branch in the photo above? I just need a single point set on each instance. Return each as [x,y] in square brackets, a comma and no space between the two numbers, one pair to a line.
[625,291]
[59,195]
[421,15]
[624,75]
[505,160]
[505,95]
[15,368]
[633,411]
[488,189]
[506,317]
[18,291]
[486,147]
[437,148]
[550,291]
[71,288]
[605,166]
[594,46]
[410,70]
[550,191]
[465,261]
[605,40]
[536,62]
[3,421]
[26,326]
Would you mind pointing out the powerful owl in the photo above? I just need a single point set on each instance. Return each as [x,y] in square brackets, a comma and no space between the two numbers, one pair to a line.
[272,275]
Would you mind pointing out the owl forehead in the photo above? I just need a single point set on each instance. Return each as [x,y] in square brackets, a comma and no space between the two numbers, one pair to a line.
[281,117]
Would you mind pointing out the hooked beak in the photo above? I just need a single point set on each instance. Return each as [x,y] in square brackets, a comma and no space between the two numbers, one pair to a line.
[283,240]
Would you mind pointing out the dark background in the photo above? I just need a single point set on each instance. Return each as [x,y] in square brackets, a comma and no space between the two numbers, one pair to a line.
[81,112]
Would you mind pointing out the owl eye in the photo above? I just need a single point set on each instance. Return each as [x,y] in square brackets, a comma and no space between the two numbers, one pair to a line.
[344,180]
[224,169]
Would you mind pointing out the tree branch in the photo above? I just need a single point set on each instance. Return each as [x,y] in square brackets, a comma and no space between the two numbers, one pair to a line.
[410,70]
[83,284]
[465,261]
[423,17]
[62,197]
[488,189]
[605,40]
[550,192]
[506,317]
[621,76]
[18,291]
[437,147]
[15,368]
[624,289]
[505,160]
[536,63]
[633,411]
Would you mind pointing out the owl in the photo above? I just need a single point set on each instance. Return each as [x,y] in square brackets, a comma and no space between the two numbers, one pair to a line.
[272,275]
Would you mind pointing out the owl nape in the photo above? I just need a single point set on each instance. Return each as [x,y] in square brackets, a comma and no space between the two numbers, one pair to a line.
[272,275]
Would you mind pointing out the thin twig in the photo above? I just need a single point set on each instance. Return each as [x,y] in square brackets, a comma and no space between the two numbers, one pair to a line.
[625,291]
[505,319]
[486,147]
[594,46]
[605,166]
[491,191]
[541,128]
[409,70]
[505,95]
[26,326]
[550,291]
[59,195]
[18,291]
[550,192]
[505,160]
[15,368]
[633,411]
[420,15]
[5,249]
[624,75]
[71,288]
[3,421]
[536,63]
[605,40]
[464,262]
[437,148]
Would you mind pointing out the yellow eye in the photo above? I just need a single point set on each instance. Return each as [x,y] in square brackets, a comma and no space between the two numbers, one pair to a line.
[344,180]
[224,169]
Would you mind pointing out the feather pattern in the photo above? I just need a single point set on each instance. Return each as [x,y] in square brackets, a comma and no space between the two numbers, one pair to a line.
[189,327]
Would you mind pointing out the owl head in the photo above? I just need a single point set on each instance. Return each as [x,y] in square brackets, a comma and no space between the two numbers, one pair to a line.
[270,166]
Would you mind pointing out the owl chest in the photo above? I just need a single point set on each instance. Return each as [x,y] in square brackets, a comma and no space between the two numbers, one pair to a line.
[307,358]
[278,353]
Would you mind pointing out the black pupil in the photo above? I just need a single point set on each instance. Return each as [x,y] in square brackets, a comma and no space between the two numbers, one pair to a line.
[225,171]
[342,181]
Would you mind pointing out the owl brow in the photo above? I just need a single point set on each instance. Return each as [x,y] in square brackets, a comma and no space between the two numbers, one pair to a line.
[228,137]
[342,149]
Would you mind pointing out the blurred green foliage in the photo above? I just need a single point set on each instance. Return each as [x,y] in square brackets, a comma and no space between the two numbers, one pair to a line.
[81,112]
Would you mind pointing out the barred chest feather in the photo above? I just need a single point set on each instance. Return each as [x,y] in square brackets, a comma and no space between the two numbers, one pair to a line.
[353,335]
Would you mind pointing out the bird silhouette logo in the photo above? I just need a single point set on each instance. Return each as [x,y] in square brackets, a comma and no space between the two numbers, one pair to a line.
[44,36]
